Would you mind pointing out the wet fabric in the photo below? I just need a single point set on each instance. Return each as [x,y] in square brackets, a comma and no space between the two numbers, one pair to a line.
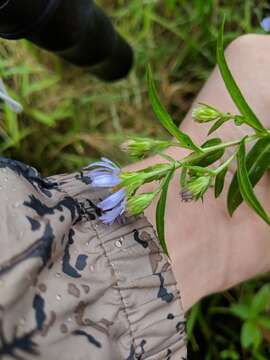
[73,288]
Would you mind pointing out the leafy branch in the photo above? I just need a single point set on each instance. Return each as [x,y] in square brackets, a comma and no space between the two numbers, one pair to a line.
[197,174]
[198,170]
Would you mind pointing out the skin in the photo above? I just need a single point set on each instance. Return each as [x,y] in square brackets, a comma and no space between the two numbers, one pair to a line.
[210,251]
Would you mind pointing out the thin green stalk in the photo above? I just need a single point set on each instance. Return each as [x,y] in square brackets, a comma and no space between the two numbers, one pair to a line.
[224,165]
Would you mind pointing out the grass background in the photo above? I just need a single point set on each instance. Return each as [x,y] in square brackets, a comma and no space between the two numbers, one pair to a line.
[71,118]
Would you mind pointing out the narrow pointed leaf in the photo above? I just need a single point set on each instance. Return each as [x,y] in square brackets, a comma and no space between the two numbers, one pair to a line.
[219,183]
[257,163]
[233,89]
[211,157]
[216,125]
[160,212]
[261,300]
[165,119]
[246,186]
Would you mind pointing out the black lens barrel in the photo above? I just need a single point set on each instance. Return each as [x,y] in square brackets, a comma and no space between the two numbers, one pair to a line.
[77,30]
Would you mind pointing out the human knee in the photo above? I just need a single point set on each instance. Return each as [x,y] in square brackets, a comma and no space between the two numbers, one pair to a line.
[248,46]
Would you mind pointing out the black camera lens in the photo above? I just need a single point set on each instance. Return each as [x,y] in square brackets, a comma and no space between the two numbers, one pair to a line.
[77,30]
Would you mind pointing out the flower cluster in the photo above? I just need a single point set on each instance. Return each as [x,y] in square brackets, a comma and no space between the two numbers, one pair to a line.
[123,187]
[106,174]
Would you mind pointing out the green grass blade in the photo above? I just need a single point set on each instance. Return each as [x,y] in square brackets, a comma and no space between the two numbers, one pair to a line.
[236,95]
[160,212]
[245,185]
[257,163]
[165,118]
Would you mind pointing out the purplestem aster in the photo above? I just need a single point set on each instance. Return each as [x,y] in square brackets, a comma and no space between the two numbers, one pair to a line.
[106,174]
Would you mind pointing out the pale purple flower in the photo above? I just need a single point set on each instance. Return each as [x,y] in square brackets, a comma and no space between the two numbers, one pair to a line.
[105,174]
[113,206]
[265,24]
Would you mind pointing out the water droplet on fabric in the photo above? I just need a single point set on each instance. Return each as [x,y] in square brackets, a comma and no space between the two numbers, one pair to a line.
[119,243]
[17,204]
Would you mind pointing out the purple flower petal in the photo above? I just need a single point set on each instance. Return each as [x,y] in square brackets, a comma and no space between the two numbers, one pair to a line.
[109,161]
[110,216]
[112,201]
[95,173]
[105,174]
[105,164]
[265,24]
[106,181]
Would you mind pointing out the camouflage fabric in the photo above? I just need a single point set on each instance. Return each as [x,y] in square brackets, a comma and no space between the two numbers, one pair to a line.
[72,288]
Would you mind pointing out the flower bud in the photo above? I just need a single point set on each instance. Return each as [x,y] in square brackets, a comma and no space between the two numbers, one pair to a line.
[197,187]
[205,113]
[138,203]
[140,147]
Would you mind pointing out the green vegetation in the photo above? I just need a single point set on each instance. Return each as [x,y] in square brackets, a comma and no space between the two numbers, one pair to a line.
[71,119]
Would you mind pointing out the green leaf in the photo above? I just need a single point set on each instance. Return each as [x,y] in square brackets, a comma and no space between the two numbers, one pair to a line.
[261,300]
[165,119]
[264,321]
[257,355]
[219,183]
[257,163]
[250,335]
[229,354]
[211,157]
[245,185]
[211,142]
[216,125]
[160,212]
[236,95]
[192,319]
[241,310]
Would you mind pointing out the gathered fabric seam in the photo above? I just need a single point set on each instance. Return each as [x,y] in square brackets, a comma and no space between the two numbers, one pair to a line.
[118,288]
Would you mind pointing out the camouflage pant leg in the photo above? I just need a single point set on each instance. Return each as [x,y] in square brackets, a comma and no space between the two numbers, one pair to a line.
[72,288]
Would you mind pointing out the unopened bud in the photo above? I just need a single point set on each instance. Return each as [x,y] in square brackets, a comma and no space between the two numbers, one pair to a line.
[205,113]
[138,203]
[197,187]
[140,147]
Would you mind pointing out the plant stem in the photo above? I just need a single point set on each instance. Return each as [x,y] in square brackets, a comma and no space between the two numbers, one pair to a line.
[229,144]
[224,165]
